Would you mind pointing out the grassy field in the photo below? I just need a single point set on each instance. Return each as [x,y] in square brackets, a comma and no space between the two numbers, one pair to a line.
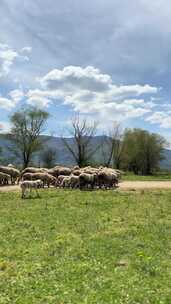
[73,247]
[157,177]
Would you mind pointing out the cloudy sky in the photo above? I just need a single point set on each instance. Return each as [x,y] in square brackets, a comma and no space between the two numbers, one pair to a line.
[109,60]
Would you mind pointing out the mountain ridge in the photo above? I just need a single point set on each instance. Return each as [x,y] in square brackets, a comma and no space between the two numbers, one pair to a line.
[63,156]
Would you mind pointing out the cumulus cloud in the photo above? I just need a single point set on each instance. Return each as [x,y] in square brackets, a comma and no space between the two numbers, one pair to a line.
[7,58]
[88,90]
[26,49]
[72,78]
[40,102]
[16,95]
[6,104]
[10,102]
[130,42]
[163,119]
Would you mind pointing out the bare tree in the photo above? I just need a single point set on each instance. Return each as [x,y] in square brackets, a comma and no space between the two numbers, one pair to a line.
[112,146]
[27,126]
[82,133]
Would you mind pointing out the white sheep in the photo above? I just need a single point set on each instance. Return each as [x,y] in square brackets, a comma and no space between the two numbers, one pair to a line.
[87,180]
[30,185]
[4,178]
[66,182]
[107,178]
[14,173]
[74,181]
[60,179]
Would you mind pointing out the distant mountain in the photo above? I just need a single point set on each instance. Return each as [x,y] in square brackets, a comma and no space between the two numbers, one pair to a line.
[63,156]
[166,163]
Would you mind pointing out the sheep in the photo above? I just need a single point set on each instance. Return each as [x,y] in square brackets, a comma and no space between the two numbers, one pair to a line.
[29,185]
[87,180]
[66,182]
[46,178]
[14,173]
[71,181]
[27,176]
[11,166]
[64,171]
[76,168]
[4,178]
[90,170]
[60,179]
[107,178]
[77,172]
[32,170]
[87,177]
[74,181]
[58,170]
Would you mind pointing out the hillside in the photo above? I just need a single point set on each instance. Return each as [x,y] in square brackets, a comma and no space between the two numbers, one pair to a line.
[63,156]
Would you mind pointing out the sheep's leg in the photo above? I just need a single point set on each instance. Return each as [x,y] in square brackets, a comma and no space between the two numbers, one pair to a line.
[37,192]
[22,193]
[29,192]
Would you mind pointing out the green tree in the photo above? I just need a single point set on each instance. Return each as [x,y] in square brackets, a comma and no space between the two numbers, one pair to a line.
[142,151]
[48,157]
[27,126]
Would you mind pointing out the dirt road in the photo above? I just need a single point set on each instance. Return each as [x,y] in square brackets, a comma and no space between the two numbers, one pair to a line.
[123,186]
[9,188]
[144,185]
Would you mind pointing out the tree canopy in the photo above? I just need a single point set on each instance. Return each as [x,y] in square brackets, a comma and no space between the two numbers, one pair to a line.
[142,151]
[27,126]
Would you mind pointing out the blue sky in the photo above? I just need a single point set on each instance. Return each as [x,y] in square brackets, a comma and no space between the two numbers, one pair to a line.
[108,60]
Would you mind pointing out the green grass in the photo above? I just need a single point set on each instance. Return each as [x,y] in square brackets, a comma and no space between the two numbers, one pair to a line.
[73,247]
[157,177]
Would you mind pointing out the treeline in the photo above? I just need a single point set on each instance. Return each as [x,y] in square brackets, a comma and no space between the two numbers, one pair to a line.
[133,150]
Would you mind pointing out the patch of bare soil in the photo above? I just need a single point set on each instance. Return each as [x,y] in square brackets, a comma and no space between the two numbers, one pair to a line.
[125,186]
[9,188]
[144,185]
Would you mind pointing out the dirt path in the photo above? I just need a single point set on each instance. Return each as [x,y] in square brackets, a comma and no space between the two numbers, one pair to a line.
[144,185]
[10,188]
[125,186]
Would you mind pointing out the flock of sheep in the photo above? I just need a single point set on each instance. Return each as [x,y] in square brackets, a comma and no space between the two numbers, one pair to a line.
[8,175]
[59,176]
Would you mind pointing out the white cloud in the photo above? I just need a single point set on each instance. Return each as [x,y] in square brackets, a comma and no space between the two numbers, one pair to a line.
[72,78]
[40,102]
[87,90]
[160,118]
[16,95]
[41,98]
[6,104]
[7,58]
[26,49]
